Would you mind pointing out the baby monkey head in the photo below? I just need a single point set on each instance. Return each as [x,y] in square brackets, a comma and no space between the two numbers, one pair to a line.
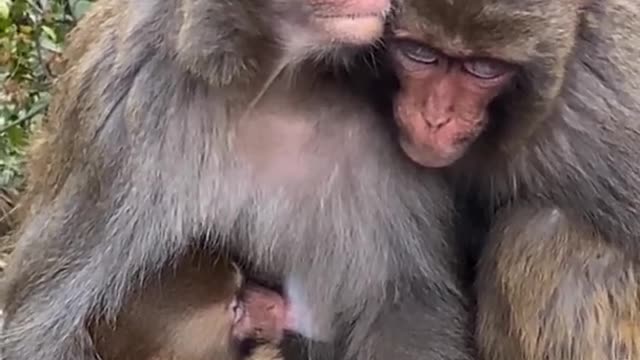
[466,67]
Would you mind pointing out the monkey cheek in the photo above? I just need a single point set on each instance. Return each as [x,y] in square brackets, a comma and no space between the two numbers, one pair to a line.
[241,330]
[241,326]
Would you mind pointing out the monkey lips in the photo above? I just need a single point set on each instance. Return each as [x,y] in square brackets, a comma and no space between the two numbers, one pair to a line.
[356,21]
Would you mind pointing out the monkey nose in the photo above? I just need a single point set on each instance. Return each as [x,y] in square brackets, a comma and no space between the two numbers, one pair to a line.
[437,122]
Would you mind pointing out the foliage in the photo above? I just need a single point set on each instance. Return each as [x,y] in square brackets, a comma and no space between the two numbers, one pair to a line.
[31,38]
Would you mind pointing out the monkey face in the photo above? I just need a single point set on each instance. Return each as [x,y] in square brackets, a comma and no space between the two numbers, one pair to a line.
[455,60]
[442,105]
[261,314]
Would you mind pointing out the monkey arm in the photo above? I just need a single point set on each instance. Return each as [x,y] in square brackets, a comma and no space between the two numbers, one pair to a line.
[52,296]
[96,234]
[552,289]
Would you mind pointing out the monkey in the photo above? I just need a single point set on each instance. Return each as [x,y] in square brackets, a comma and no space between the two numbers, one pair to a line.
[233,127]
[202,309]
[531,107]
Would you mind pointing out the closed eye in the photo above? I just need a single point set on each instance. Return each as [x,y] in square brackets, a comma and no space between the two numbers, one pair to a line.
[417,52]
[486,69]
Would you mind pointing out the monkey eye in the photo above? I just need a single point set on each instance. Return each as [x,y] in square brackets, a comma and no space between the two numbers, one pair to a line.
[485,68]
[418,52]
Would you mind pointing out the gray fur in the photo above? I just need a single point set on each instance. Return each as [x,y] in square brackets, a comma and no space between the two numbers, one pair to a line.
[144,140]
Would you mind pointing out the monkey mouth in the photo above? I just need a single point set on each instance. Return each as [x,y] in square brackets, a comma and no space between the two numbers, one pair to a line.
[356,29]
[355,10]
[357,22]
[378,15]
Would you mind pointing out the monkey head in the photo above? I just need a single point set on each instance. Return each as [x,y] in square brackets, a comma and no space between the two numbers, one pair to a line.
[468,67]
[228,42]
[258,313]
[262,314]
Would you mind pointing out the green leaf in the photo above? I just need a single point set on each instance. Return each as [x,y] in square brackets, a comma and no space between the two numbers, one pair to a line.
[50,45]
[17,136]
[5,9]
[50,32]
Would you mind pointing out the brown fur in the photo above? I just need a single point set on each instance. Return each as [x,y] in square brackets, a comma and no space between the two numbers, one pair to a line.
[555,177]
[158,144]
[568,295]
[182,315]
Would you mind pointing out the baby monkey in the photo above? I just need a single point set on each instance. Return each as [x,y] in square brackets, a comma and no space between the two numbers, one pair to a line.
[200,310]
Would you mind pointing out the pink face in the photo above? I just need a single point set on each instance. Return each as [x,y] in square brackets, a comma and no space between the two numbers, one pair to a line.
[260,313]
[442,106]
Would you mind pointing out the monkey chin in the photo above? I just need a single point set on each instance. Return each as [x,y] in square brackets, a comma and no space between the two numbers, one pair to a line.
[429,158]
[353,30]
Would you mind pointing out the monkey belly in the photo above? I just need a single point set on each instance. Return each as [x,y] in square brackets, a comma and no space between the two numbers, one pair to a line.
[549,288]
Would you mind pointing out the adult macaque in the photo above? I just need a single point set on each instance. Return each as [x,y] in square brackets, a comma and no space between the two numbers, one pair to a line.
[534,105]
[182,121]
[195,312]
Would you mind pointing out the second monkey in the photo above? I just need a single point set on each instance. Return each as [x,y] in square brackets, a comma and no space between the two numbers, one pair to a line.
[160,135]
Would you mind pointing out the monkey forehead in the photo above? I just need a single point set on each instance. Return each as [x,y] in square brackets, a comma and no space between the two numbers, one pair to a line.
[512,30]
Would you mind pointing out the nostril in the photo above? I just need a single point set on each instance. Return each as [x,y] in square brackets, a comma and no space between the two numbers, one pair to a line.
[443,123]
[438,122]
